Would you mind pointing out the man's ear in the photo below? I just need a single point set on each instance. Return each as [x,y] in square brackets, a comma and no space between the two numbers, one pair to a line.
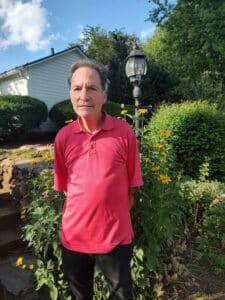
[105,96]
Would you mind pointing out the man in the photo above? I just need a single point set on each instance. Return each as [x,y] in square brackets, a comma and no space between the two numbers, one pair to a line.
[97,166]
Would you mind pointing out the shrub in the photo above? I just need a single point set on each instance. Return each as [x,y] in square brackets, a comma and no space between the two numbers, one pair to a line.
[20,113]
[198,196]
[197,136]
[63,111]
[41,231]
[212,235]
[157,215]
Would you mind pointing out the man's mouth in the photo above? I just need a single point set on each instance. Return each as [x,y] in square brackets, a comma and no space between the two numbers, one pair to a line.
[80,106]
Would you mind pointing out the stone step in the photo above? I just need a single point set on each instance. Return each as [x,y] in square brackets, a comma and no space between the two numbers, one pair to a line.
[17,283]
[6,200]
[9,218]
[9,212]
[10,240]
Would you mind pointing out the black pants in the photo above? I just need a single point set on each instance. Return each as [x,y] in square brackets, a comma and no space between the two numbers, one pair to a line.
[78,269]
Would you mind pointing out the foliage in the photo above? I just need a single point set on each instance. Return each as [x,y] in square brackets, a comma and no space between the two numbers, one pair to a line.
[158,204]
[159,13]
[41,231]
[191,43]
[198,129]
[211,237]
[194,26]
[159,82]
[198,196]
[19,114]
[63,111]
[157,213]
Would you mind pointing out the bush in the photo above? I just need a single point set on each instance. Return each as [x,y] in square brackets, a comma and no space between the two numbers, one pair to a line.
[20,113]
[197,136]
[41,231]
[63,111]
[211,235]
[198,195]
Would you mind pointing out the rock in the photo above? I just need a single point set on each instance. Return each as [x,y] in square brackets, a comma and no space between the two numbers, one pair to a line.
[14,279]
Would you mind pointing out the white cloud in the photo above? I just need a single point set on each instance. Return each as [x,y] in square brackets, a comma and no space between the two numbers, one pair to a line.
[147,33]
[24,23]
[80,29]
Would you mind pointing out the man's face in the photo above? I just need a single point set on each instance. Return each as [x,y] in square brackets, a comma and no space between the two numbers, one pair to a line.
[86,93]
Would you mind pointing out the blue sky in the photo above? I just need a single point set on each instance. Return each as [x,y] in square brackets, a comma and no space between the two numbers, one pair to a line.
[30,28]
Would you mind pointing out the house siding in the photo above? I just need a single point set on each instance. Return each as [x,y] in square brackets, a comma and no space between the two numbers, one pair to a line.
[44,79]
[48,80]
[14,85]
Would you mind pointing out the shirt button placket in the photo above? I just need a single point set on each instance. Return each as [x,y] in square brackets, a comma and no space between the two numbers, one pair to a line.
[92,147]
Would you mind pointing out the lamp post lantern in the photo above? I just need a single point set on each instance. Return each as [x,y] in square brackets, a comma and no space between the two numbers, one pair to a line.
[136,68]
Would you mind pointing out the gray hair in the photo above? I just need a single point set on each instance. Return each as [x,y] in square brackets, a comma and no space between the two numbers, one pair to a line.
[93,64]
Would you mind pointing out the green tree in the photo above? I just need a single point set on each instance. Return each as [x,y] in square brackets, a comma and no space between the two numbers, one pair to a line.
[159,13]
[191,43]
[160,79]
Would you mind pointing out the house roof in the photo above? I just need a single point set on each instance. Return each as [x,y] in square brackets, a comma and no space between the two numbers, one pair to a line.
[53,55]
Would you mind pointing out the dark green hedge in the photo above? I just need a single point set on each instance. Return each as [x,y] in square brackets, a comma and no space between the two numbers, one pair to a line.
[197,136]
[20,113]
[63,111]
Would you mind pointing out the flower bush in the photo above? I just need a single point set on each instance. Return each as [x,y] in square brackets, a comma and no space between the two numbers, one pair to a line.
[41,231]
[198,136]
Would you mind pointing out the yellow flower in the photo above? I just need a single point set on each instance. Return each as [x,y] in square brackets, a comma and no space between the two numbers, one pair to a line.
[142,111]
[214,202]
[164,178]
[165,133]
[69,121]
[23,267]
[155,168]
[124,111]
[31,267]
[19,261]
[34,161]
[47,159]
[23,209]
[157,145]
[23,212]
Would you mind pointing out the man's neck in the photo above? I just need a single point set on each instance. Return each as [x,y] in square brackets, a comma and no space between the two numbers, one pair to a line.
[92,125]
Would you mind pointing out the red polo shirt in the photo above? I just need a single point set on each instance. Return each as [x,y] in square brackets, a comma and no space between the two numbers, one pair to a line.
[96,171]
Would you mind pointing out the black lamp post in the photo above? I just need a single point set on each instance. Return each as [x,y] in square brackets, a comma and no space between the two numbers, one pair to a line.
[136,68]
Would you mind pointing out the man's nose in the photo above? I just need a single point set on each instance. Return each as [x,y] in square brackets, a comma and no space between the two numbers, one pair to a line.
[84,94]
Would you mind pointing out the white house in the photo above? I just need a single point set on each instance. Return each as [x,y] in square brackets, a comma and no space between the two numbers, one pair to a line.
[44,79]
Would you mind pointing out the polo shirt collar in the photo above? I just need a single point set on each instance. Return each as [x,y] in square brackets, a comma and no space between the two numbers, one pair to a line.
[108,124]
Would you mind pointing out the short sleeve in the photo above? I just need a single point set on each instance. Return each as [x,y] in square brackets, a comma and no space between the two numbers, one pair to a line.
[60,171]
[133,161]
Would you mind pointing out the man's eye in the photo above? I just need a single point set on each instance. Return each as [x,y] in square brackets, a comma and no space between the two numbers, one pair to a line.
[92,88]
[76,89]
